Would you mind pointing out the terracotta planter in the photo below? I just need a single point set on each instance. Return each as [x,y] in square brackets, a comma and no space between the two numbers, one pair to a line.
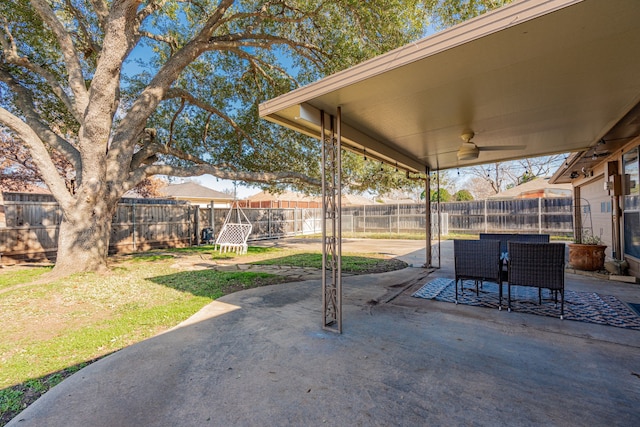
[586,257]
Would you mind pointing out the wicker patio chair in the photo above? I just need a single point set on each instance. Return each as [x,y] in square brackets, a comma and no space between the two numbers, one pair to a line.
[477,260]
[539,265]
[505,238]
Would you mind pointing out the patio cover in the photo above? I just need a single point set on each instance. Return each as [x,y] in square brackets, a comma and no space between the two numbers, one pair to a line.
[532,78]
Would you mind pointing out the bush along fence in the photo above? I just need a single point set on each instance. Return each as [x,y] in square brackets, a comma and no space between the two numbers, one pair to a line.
[29,223]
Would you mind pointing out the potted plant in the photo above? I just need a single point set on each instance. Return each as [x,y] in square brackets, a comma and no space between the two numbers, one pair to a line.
[587,252]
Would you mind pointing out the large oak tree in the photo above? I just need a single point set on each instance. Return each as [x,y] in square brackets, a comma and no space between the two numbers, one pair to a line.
[127,89]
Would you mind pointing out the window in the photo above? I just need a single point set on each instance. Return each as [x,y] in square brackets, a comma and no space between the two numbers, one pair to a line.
[631,182]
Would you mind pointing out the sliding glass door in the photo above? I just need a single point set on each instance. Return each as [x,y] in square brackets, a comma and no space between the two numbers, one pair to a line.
[631,208]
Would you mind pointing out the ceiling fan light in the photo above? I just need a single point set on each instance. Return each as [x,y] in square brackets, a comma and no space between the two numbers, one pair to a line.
[468,153]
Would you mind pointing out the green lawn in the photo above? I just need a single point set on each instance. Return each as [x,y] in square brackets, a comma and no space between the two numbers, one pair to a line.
[53,329]
[351,263]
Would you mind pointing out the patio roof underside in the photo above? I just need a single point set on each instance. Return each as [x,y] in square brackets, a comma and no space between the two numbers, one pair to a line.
[532,78]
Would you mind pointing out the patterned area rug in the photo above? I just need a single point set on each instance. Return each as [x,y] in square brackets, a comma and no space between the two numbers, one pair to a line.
[580,306]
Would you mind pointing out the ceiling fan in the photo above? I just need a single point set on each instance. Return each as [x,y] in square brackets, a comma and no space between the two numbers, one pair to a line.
[470,151]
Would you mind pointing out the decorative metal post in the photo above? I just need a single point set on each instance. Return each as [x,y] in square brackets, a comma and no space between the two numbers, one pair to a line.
[439,224]
[427,205]
[331,224]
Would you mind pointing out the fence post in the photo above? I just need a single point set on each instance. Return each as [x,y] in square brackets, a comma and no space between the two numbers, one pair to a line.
[364,219]
[133,217]
[196,220]
[212,220]
[486,223]
[189,229]
[539,215]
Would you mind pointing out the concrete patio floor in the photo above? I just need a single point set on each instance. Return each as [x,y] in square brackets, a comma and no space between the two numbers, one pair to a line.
[260,357]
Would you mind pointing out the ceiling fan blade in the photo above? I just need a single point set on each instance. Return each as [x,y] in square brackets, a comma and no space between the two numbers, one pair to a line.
[502,148]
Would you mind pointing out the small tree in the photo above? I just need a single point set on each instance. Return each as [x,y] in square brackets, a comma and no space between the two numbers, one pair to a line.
[503,175]
[441,195]
[463,196]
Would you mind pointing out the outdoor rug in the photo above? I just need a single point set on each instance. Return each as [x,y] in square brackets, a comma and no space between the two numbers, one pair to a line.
[580,306]
[635,307]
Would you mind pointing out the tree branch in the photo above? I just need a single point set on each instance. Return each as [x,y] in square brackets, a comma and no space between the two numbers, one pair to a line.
[11,56]
[148,150]
[40,157]
[258,177]
[265,41]
[102,11]
[91,47]
[169,41]
[151,7]
[72,61]
[216,18]
[140,171]
[258,64]
[183,94]
[24,101]
[173,121]
[133,123]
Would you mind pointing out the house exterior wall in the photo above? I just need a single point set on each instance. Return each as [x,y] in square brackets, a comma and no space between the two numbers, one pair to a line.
[591,190]
[600,211]
[205,203]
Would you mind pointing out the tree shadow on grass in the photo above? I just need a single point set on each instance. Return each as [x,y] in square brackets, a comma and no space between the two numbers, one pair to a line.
[215,284]
[17,398]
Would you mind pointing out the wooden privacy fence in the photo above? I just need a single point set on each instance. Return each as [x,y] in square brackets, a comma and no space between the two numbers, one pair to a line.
[32,226]
[31,222]
[267,223]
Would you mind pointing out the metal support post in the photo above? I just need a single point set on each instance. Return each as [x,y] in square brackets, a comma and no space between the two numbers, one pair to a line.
[331,224]
[439,222]
[577,215]
[427,202]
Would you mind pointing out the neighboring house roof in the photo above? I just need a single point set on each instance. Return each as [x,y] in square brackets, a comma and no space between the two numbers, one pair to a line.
[29,188]
[387,201]
[538,187]
[289,196]
[192,190]
[355,200]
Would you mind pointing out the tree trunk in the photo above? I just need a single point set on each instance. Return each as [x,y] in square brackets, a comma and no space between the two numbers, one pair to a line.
[83,241]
